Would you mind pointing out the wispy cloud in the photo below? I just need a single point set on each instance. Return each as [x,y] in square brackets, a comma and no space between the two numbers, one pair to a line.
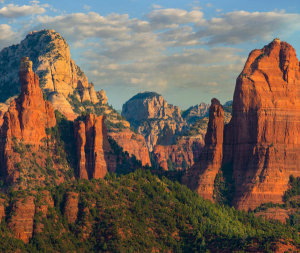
[166,49]
[15,11]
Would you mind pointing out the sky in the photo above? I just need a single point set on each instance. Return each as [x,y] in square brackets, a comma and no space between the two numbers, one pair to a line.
[187,50]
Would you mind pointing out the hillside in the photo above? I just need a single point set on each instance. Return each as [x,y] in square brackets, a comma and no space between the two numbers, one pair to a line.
[139,212]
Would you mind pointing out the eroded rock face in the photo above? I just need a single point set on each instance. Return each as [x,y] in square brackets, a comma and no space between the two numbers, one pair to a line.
[194,113]
[133,143]
[3,109]
[265,126]
[152,117]
[102,96]
[2,209]
[201,176]
[180,156]
[61,104]
[93,149]
[71,206]
[52,62]
[25,121]
[22,218]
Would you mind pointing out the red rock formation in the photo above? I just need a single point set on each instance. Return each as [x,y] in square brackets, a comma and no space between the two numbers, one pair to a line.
[133,143]
[181,155]
[202,176]
[2,209]
[3,109]
[93,148]
[22,219]
[265,126]
[26,119]
[71,206]
[42,207]
[29,115]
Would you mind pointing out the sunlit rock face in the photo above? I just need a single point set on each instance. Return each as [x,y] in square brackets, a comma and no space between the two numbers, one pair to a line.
[263,140]
[51,58]
[151,115]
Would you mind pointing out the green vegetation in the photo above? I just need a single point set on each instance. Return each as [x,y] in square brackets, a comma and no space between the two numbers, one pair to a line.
[291,203]
[144,95]
[113,119]
[199,127]
[224,185]
[140,212]
[294,189]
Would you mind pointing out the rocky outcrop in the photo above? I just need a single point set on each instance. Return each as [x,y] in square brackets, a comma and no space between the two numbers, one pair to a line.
[265,125]
[26,120]
[3,109]
[2,209]
[101,95]
[181,155]
[201,176]
[22,219]
[194,113]
[42,205]
[71,207]
[61,104]
[152,117]
[132,143]
[52,62]
[93,149]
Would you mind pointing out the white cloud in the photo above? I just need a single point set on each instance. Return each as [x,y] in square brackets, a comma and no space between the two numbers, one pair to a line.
[164,18]
[15,11]
[7,36]
[86,7]
[167,49]
[241,26]
[156,6]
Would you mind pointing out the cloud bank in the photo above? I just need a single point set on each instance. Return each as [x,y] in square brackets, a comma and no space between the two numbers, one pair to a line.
[166,50]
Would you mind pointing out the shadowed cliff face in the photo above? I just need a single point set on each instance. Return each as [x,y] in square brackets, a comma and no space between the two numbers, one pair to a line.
[201,176]
[93,148]
[265,125]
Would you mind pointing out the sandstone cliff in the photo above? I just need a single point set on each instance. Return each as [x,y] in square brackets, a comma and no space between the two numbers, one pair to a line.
[132,143]
[52,62]
[261,141]
[201,176]
[93,149]
[152,117]
[22,218]
[194,113]
[265,125]
[26,120]
[29,156]
[179,156]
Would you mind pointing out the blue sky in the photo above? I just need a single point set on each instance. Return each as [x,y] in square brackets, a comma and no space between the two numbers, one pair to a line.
[189,51]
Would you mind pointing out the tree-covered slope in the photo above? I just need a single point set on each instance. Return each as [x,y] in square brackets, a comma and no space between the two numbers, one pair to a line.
[140,212]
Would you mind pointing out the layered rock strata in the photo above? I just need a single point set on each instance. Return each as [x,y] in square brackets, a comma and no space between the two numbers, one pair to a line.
[151,115]
[180,156]
[26,120]
[265,125]
[93,149]
[261,141]
[132,143]
[52,62]
[201,176]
